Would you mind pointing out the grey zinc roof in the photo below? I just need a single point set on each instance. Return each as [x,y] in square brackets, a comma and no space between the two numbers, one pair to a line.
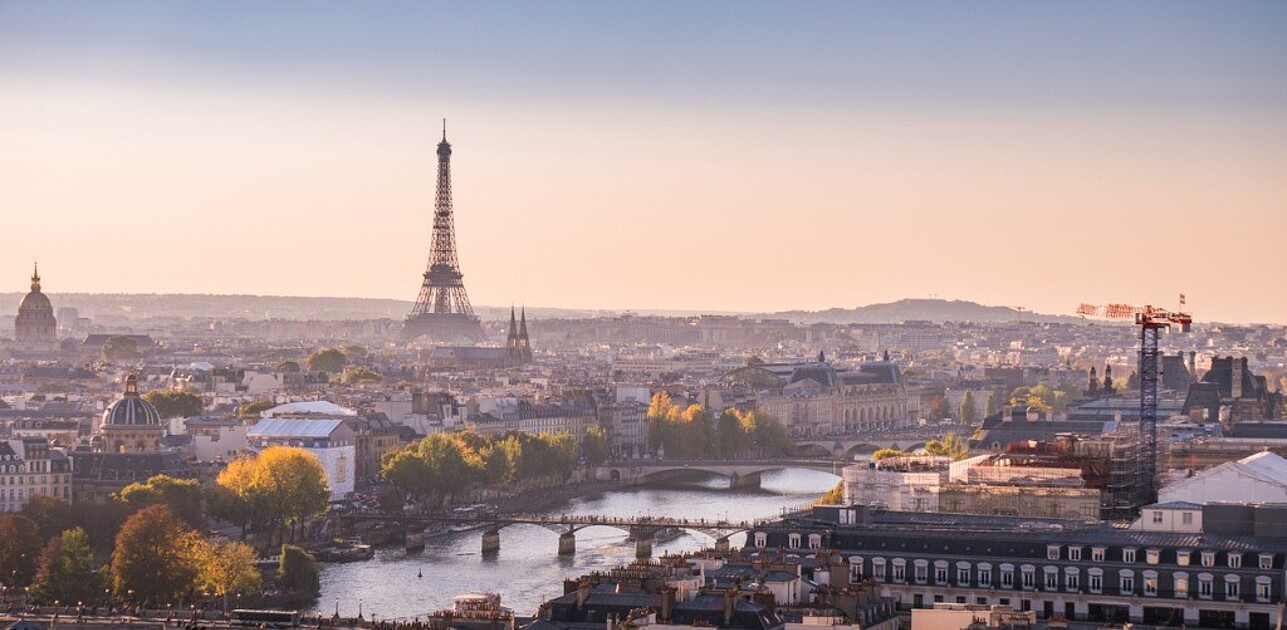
[301,428]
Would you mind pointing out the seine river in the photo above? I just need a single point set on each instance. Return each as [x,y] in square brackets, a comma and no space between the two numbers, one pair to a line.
[527,570]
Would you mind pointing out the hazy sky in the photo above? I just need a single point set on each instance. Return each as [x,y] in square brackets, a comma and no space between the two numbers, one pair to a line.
[720,156]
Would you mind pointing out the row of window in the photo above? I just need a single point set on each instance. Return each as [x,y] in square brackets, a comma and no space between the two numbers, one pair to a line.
[1183,557]
[1148,584]
[22,480]
[1097,554]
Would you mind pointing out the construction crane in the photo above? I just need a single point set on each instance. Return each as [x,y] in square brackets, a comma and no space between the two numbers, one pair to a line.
[1152,321]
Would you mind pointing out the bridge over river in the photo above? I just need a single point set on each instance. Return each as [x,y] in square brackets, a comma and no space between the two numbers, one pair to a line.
[741,473]
[641,529]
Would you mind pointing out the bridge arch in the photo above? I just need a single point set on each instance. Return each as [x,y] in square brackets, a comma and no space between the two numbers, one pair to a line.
[813,449]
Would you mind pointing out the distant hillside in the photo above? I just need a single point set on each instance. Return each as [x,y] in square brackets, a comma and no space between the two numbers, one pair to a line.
[924,310]
[110,306]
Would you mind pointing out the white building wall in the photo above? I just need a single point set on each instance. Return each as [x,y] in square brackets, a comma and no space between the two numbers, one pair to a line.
[339,462]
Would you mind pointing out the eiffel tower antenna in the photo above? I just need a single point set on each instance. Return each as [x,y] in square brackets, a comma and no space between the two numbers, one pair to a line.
[442,310]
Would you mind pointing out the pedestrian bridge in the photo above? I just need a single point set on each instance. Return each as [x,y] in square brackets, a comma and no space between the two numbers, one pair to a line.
[740,473]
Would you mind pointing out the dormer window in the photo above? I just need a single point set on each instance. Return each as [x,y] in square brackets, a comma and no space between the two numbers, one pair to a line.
[1182,557]
[1152,556]
[1208,558]
[761,540]
[1074,553]
[1128,555]
[793,541]
[1097,554]
[1052,552]
[1235,560]
[1266,560]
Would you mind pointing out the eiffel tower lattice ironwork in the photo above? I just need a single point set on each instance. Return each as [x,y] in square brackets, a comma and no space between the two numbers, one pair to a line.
[442,310]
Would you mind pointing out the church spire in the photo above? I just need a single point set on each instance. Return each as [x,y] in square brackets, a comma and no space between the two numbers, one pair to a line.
[35,276]
[513,326]
[524,344]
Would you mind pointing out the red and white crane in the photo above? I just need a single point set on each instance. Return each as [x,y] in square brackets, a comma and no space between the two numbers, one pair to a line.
[1152,321]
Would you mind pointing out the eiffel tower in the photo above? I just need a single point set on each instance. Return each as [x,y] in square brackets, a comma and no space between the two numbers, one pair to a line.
[442,312]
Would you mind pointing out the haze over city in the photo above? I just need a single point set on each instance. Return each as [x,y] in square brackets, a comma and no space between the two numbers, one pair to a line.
[752,157]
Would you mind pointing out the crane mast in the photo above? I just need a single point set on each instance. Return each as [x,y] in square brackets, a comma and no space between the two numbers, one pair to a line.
[1152,322]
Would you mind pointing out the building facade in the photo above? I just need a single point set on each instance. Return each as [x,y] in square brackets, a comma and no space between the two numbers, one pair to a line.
[1227,572]
[29,468]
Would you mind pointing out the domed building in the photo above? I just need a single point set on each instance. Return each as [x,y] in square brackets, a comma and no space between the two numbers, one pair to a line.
[125,449]
[131,424]
[35,323]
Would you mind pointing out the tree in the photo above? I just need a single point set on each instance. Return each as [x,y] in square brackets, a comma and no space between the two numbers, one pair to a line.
[154,561]
[297,571]
[952,445]
[361,374]
[227,568]
[120,348]
[50,515]
[287,367]
[969,409]
[280,487]
[886,453]
[594,446]
[19,545]
[771,436]
[835,496]
[938,410]
[183,496]
[327,360]
[67,570]
[253,409]
[994,405]
[171,404]
[292,483]
[354,352]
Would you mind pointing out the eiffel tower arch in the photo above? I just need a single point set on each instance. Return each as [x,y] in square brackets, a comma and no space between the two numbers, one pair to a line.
[442,311]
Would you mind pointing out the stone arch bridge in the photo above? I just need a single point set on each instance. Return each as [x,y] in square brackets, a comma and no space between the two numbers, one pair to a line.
[740,473]
[848,448]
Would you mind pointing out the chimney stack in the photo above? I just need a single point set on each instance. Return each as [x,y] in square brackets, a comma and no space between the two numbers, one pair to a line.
[730,598]
[1239,366]
[667,603]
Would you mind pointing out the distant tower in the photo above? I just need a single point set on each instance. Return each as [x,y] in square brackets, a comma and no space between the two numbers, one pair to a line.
[524,344]
[518,349]
[442,311]
[35,323]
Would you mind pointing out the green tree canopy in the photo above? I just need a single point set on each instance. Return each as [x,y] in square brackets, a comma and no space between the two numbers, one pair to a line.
[253,409]
[327,360]
[183,496]
[297,571]
[354,352]
[886,453]
[361,374]
[969,409]
[952,445]
[287,366]
[175,404]
[594,445]
[120,348]
[66,571]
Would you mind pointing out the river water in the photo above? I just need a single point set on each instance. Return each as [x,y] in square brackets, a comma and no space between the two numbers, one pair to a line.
[528,570]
